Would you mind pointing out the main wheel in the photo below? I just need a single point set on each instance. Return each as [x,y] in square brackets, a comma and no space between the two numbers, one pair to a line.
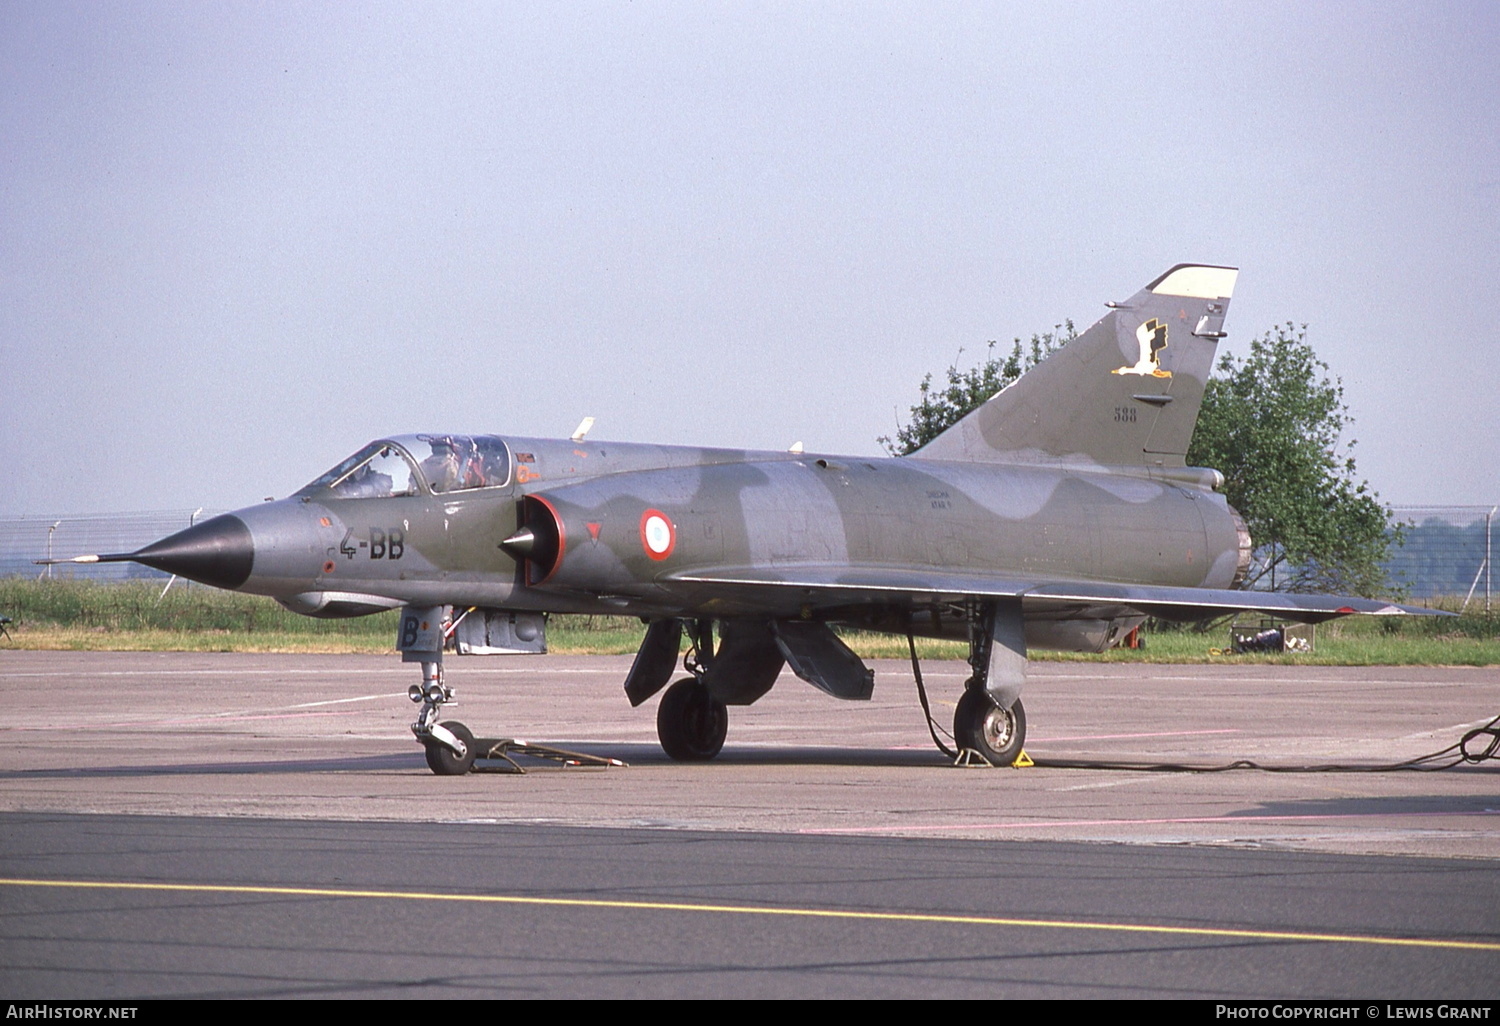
[993,732]
[690,722]
[443,761]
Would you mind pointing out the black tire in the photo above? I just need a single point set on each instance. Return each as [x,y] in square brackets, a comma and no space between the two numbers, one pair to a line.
[690,722]
[442,760]
[980,724]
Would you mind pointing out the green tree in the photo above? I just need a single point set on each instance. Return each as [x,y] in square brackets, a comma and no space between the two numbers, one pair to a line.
[1272,423]
[967,389]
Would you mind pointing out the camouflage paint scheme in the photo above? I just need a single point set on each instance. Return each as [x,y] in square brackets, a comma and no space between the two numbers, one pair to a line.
[1059,514]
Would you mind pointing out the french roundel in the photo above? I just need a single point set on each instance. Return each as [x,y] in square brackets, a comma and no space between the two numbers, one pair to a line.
[658,536]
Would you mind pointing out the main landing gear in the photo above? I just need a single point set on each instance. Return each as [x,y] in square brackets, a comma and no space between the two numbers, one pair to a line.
[989,725]
[990,720]
[690,722]
[980,725]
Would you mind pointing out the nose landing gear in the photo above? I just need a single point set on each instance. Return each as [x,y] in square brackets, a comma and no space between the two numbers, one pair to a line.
[449,745]
[452,749]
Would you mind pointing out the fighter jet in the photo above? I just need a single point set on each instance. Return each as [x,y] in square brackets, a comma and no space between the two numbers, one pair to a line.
[1059,514]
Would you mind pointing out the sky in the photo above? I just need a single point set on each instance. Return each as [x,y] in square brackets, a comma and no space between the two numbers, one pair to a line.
[239,240]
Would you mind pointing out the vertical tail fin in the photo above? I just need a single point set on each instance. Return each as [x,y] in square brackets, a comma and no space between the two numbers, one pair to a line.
[1125,392]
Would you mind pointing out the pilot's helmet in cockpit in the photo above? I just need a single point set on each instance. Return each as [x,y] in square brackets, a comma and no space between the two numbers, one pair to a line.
[442,468]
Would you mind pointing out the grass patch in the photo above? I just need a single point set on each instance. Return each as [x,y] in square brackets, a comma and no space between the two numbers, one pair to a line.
[51,638]
[136,616]
[1472,639]
[128,606]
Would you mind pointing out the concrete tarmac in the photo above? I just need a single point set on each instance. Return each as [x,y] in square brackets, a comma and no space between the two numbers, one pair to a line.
[183,906]
[326,737]
[265,825]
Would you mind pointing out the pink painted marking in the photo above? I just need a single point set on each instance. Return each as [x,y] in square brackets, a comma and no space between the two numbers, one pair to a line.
[263,716]
[180,722]
[1114,737]
[1096,737]
[1032,825]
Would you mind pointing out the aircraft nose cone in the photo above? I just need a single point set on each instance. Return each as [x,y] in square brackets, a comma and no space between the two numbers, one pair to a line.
[218,552]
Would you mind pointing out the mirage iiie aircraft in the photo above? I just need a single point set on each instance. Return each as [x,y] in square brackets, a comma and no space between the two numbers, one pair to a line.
[1058,515]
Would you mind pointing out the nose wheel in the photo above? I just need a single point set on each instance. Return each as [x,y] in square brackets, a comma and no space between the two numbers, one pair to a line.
[444,760]
[690,722]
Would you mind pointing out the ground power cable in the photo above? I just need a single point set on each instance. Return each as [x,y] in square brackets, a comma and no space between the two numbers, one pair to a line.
[932,727]
[1457,754]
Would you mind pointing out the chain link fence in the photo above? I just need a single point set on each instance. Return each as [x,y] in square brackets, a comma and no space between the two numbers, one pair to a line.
[25,539]
[1446,550]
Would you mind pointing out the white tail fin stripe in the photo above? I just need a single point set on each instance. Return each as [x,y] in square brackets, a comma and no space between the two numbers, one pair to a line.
[1198,282]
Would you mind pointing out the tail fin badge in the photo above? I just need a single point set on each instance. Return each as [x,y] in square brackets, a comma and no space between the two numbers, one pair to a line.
[1152,337]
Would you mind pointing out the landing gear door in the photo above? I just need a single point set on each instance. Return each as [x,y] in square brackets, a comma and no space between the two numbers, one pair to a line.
[419,637]
[655,661]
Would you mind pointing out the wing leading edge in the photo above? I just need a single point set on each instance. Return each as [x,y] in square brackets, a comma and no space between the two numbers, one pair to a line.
[838,586]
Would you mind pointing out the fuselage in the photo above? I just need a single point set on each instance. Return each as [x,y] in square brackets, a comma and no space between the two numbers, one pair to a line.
[614,527]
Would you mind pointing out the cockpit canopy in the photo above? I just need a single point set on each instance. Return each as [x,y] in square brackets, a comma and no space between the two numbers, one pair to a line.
[407,464]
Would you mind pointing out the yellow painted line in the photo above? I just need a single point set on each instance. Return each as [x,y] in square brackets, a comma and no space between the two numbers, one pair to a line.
[762,910]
